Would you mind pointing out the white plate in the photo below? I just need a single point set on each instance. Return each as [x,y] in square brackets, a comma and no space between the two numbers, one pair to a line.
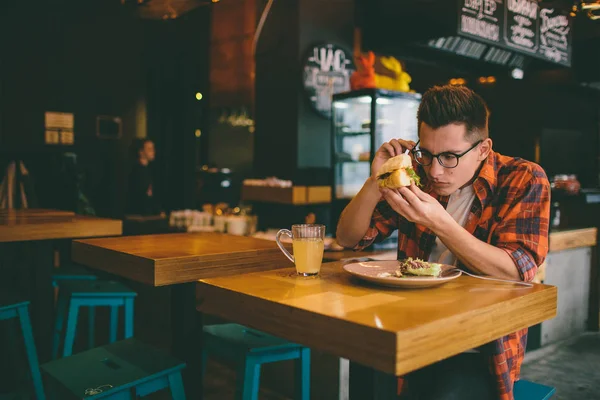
[370,270]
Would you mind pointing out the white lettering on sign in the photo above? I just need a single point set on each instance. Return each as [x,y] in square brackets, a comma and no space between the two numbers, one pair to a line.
[521,24]
[477,27]
[522,33]
[327,71]
[526,8]
[554,35]
[483,9]
[553,23]
[329,59]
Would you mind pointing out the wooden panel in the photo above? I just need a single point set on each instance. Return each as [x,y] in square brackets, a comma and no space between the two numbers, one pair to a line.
[318,194]
[563,240]
[271,194]
[168,259]
[26,225]
[231,58]
[297,195]
[395,331]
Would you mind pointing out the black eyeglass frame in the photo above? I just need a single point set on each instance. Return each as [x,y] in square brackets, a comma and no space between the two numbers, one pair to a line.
[458,156]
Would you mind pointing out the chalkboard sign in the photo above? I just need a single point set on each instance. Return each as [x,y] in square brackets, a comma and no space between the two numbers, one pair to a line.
[327,70]
[524,26]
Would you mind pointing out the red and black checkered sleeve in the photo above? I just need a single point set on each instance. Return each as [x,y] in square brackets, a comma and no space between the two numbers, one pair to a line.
[523,228]
[383,223]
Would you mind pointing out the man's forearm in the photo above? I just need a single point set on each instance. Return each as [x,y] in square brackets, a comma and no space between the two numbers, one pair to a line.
[356,217]
[476,254]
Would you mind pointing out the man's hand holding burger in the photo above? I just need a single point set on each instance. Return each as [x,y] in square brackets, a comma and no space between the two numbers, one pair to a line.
[388,150]
[398,183]
[356,218]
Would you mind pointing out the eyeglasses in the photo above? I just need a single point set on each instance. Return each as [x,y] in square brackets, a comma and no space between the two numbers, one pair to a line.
[446,159]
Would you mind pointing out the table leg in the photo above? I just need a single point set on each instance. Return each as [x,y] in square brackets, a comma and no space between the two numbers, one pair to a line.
[186,325]
[42,296]
[367,383]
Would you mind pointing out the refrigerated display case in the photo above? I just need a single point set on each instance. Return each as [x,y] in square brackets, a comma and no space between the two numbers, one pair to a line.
[362,121]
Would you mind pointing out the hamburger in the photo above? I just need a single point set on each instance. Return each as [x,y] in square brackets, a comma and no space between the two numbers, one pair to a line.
[397,172]
[416,266]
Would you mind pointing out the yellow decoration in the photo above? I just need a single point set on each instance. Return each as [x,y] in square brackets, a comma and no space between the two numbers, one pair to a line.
[394,78]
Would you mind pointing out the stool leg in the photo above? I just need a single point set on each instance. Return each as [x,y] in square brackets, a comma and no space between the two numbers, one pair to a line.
[176,386]
[61,310]
[71,327]
[302,371]
[31,353]
[128,317]
[114,323]
[91,326]
[248,380]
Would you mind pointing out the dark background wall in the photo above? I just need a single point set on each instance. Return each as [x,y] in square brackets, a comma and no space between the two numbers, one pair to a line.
[98,58]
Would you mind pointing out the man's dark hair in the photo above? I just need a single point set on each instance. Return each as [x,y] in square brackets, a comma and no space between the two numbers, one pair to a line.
[445,105]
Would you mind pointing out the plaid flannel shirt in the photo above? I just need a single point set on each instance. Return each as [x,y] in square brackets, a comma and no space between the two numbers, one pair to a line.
[511,211]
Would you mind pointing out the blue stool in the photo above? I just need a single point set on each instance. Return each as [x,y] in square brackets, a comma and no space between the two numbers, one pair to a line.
[123,370]
[526,390]
[76,272]
[11,307]
[76,294]
[250,349]
[71,272]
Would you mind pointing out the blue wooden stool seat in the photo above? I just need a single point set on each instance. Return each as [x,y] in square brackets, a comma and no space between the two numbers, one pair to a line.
[12,307]
[71,272]
[88,293]
[250,349]
[526,390]
[122,370]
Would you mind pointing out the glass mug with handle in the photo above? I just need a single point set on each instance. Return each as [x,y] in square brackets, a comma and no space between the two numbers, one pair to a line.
[307,244]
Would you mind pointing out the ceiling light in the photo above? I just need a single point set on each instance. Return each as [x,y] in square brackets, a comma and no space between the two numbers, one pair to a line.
[517,73]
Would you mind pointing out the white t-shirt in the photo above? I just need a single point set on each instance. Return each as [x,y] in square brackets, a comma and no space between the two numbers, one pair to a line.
[458,207]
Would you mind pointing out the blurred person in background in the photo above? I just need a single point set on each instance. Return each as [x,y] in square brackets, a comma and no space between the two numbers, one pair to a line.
[142,196]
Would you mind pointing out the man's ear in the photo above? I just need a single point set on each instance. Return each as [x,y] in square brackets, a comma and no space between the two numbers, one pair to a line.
[484,149]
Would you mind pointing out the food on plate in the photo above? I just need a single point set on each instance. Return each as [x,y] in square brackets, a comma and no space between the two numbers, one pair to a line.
[415,267]
[397,172]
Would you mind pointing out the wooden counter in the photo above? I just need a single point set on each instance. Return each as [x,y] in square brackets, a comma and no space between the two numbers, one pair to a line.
[570,239]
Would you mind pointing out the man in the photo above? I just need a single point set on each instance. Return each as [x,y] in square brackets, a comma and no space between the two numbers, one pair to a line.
[142,198]
[487,212]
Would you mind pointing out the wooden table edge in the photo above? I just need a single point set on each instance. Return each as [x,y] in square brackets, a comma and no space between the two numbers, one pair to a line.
[245,309]
[405,350]
[115,230]
[111,261]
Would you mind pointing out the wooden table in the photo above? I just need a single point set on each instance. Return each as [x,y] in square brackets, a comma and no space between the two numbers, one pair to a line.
[179,260]
[38,228]
[390,330]
[170,259]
